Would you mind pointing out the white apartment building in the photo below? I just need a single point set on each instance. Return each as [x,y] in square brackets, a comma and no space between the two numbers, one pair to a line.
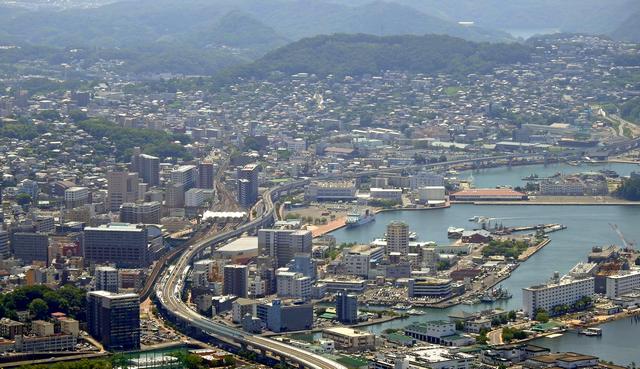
[292,285]
[559,291]
[76,196]
[623,283]
[194,198]
[358,259]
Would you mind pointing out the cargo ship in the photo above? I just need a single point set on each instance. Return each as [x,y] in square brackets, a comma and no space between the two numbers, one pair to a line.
[356,219]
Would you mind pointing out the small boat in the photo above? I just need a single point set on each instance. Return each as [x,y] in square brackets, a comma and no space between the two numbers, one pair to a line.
[415,312]
[401,307]
[475,218]
[592,332]
[530,177]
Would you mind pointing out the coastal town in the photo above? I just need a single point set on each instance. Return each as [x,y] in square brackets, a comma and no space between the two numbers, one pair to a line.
[390,221]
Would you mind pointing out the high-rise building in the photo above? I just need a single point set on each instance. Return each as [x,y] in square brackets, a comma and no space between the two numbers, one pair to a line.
[106,279]
[347,307]
[282,244]
[75,197]
[147,167]
[206,173]
[175,195]
[397,238]
[185,175]
[248,185]
[236,280]
[126,245]
[144,213]
[114,319]
[30,247]
[5,249]
[121,187]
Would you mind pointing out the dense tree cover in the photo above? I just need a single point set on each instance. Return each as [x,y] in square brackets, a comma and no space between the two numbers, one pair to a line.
[42,301]
[360,54]
[152,142]
[630,189]
[585,302]
[507,248]
[541,316]
[630,110]
[22,130]
[509,334]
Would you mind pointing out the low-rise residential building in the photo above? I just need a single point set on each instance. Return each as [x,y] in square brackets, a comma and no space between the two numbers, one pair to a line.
[348,339]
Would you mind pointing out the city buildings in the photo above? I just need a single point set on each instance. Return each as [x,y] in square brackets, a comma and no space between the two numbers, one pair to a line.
[106,279]
[559,291]
[30,247]
[121,187]
[114,319]
[278,316]
[331,191]
[622,283]
[429,287]
[397,238]
[248,185]
[126,245]
[141,212]
[206,174]
[282,244]
[147,167]
[348,339]
[347,307]
[76,196]
[236,280]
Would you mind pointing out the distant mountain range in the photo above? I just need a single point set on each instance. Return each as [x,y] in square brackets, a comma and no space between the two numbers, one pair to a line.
[217,23]
[610,17]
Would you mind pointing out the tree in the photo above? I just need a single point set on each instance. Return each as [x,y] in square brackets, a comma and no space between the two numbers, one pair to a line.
[512,315]
[38,308]
[23,199]
[229,360]
[542,316]
[459,325]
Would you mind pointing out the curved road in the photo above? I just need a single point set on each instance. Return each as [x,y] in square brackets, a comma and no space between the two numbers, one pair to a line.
[169,292]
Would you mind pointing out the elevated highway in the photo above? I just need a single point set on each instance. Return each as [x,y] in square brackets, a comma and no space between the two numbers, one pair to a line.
[169,294]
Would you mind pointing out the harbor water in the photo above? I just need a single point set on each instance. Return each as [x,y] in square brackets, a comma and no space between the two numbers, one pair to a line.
[587,226]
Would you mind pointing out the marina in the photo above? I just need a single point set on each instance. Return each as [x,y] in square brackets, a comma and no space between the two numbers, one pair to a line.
[586,227]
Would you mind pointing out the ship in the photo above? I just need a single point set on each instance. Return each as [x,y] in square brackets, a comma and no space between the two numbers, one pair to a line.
[356,219]
[495,294]
[401,307]
[532,177]
[592,332]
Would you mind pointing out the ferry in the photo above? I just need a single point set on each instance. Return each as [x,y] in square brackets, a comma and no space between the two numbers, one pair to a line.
[415,312]
[355,219]
[592,332]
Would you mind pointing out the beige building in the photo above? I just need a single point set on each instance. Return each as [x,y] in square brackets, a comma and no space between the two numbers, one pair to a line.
[350,339]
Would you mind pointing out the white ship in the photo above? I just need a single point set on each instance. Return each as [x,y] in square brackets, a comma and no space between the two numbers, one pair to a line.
[356,219]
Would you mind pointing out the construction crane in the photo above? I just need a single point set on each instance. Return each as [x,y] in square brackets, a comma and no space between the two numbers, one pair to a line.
[628,245]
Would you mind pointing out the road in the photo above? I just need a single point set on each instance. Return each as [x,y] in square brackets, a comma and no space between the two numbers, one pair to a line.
[169,291]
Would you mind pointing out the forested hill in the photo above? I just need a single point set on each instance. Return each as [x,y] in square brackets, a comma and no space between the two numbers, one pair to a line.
[359,54]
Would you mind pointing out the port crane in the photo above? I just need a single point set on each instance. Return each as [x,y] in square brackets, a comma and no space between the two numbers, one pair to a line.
[628,245]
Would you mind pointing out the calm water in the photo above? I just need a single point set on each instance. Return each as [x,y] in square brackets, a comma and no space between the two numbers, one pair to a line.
[588,226]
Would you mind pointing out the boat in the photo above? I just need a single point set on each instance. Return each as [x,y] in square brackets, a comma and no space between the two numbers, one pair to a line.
[530,177]
[495,294]
[415,312]
[454,232]
[592,332]
[401,307]
[473,301]
[356,219]
[475,218]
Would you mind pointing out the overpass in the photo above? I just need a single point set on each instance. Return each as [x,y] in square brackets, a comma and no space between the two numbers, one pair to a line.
[169,294]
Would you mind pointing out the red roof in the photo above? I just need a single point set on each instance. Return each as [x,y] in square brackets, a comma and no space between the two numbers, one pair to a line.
[489,192]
